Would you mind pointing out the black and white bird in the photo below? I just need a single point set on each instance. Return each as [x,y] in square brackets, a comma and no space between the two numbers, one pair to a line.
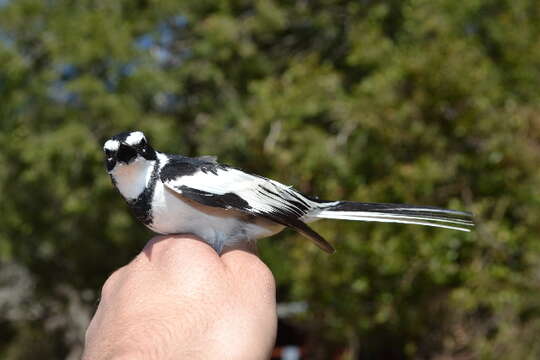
[222,205]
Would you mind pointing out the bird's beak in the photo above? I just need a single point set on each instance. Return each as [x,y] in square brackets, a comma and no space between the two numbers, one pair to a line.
[110,161]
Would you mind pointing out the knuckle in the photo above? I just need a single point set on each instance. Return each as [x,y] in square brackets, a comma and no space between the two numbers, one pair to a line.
[112,282]
[267,278]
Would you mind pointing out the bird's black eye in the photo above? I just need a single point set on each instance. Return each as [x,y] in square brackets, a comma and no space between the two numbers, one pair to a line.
[146,151]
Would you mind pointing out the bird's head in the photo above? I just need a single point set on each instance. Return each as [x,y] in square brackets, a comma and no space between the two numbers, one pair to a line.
[126,148]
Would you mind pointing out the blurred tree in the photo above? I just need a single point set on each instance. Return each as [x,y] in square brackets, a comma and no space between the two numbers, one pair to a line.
[428,102]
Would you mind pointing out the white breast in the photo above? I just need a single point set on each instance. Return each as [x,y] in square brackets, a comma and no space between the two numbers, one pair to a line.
[132,179]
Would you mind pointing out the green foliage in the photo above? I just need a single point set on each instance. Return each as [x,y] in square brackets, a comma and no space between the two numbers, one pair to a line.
[427,102]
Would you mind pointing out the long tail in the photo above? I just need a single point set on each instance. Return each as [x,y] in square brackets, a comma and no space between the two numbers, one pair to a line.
[397,213]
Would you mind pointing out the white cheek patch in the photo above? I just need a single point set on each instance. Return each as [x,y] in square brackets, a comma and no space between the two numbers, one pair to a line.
[111,145]
[135,138]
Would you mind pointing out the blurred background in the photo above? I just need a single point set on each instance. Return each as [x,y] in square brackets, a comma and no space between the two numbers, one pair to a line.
[432,102]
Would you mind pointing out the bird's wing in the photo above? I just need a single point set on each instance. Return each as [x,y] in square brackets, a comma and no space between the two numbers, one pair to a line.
[225,187]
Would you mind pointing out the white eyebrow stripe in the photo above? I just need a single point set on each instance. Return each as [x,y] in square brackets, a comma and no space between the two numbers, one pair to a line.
[111,145]
[134,138]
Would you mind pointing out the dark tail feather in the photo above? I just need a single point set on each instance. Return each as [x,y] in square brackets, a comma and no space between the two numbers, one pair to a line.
[303,229]
[397,213]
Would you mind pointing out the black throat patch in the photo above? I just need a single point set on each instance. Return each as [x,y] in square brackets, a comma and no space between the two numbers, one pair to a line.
[142,205]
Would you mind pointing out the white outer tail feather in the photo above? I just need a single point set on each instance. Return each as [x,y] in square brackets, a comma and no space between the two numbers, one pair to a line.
[435,217]
[362,216]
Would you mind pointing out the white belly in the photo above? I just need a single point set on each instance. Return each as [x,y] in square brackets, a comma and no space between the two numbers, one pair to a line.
[174,214]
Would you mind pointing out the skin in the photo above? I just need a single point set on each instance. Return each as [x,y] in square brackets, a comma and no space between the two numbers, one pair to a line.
[179,300]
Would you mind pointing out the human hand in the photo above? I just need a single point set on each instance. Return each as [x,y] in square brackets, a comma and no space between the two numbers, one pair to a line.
[179,300]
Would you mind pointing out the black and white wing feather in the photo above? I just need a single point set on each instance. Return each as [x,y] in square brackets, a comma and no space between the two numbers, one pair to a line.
[209,183]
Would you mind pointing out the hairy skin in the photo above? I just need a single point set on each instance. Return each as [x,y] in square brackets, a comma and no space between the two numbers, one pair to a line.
[179,300]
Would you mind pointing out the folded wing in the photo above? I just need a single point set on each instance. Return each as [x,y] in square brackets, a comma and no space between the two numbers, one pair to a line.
[212,184]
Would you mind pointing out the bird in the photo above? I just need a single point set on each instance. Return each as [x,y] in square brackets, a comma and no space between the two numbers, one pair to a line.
[224,206]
